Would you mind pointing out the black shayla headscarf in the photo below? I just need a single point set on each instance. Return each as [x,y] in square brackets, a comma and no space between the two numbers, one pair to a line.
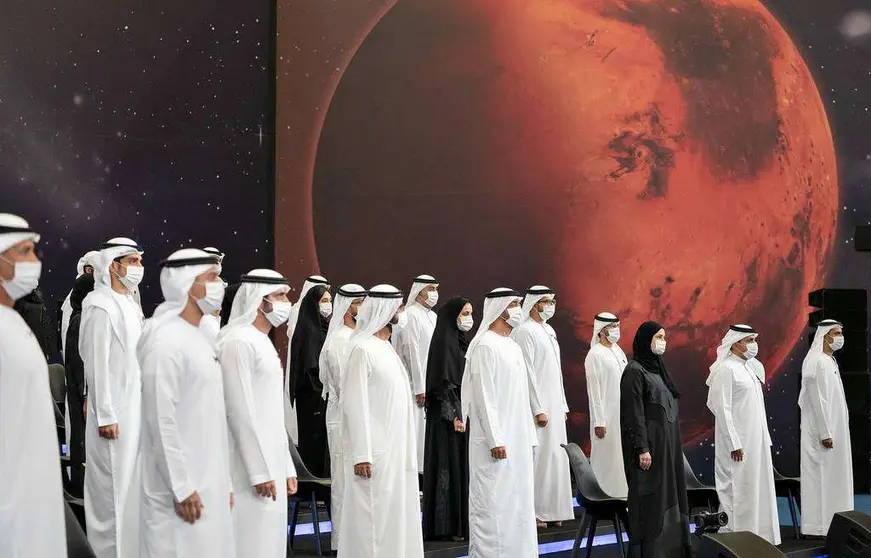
[83,286]
[643,355]
[447,350]
[308,340]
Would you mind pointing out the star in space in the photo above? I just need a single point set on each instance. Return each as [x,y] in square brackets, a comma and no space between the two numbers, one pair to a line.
[152,124]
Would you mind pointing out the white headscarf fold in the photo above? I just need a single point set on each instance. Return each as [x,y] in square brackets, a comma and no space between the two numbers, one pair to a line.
[103,296]
[495,303]
[86,260]
[254,287]
[420,283]
[377,310]
[177,276]
[602,320]
[14,230]
[735,334]
[816,350]
[346,295]
[115,248]
[533,296]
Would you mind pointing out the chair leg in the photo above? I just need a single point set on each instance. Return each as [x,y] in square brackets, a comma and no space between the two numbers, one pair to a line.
[294,516]
[590,537]
[624,518]
[316,523]
[791,503]
[289,552]
[585,520]
[616,522]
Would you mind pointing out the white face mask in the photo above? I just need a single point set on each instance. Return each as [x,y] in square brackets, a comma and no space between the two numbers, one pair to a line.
[837,343]
[25,279]
[326,309]
[465,323]
[280,312]
[658,347]
[548,312]
[751,351]
[211,303]
[515,316]
[133,278]
[401,321]
[613,335]
[432,298]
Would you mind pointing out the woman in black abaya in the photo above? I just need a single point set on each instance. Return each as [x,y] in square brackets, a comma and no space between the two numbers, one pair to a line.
[652,453]
[446,462]
[305,385]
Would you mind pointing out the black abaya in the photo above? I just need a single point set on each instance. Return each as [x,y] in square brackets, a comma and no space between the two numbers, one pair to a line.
[305,385]
[446,461]
[657,501]
[75,376]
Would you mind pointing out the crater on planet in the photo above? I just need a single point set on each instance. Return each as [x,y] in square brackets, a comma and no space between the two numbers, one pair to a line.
[721,58]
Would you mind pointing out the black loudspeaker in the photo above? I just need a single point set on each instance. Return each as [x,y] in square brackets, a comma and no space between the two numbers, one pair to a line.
[737,545]
[862,238]
[850,535]
[846,299]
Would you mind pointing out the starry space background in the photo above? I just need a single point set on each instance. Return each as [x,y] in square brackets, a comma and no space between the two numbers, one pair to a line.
[150,121]
[314,44]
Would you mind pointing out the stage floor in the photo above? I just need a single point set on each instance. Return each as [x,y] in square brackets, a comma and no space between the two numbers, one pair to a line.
[558,544]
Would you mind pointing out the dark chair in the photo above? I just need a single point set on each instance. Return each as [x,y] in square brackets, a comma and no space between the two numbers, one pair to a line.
[597,505]
[57,382]
[57,385]
[308,487]
[789,488]
[77,542]
[699,494]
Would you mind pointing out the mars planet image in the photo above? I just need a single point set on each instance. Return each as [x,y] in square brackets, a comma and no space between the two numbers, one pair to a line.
[665,160]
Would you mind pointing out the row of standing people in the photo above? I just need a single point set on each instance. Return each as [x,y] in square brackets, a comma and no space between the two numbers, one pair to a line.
[169,462]
[626,399]
[192,290]
[432,350]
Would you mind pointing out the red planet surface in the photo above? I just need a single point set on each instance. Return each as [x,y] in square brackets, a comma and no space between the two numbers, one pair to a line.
[665,160]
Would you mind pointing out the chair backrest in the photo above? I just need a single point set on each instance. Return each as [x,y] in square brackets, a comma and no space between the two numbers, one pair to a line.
[588,487]
[778,477]
[77,542]
[302,472]
[58,383]
[690,478]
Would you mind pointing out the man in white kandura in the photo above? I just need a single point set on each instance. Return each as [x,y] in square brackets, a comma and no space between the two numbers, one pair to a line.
[495,396]
[31,497]
[826,458]
[412,344]
[262,469]
[604,367]
[111,324]
[185,453]
[334,355]
[743,472]
[381,491]
[541,350]
[290,422]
